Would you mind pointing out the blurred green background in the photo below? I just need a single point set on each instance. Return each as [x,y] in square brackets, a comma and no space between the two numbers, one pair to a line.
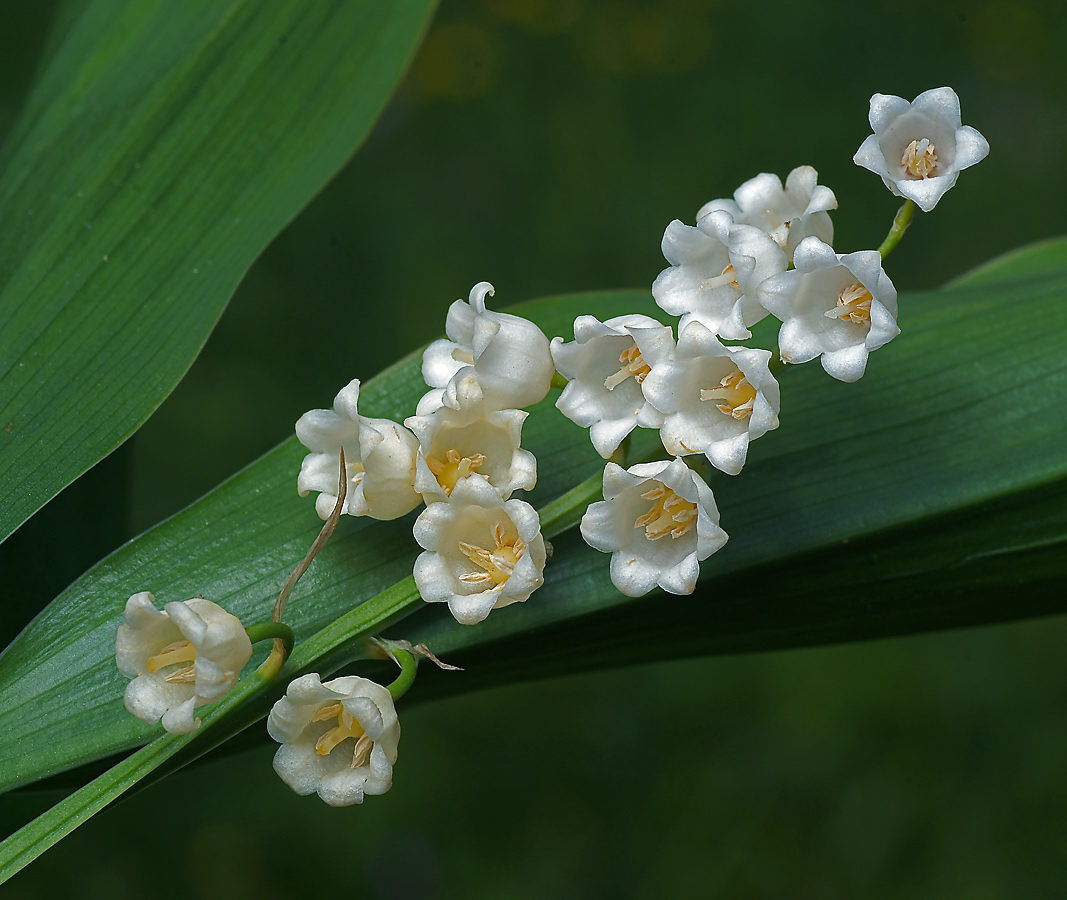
[543,145]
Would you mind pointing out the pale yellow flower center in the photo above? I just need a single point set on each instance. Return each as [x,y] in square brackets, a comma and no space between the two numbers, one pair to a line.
[497,564]
[463,356]
[669,514]
[173,655]
[355,472]
[347,727]
[633,366]
[919,159]
[736,394]
[854,304]
[728,276]
[454,467]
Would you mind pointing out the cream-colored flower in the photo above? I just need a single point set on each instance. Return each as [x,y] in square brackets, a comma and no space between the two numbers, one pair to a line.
[482,552]
[379,458]
[658,520]
[454,444]
[492,359]
[920,148]
[339,738]
[189,654]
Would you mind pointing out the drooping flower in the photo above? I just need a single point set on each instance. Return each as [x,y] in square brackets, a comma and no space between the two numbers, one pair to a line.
[482,552]
[190,653]
[787,214]
[379,458]
[838,307]
[715,270]
[339,738]
[454,444]
[715,399]
[606,364]
[920,148]
[493,359]
[658,520]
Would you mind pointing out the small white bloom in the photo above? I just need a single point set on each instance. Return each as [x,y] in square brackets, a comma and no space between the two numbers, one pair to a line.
[837,306]
[606,363]
[657,520]
[920,148]
[456,444]
[490,358]
[189,654]
[379,457]
[787,214]
[338,739]
[715,270]
[715,399]
[482,552]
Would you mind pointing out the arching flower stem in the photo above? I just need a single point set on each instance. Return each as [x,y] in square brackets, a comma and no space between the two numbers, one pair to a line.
[901,221]
[266,631]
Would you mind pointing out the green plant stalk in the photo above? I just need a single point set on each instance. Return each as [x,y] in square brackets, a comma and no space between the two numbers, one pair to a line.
[901,221]
[335,646]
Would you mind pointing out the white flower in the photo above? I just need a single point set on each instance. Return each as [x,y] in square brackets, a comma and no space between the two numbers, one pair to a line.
[715,270]
[189,654]
[339,739]
[490,358]
[456,444]
[839,307]
[657,520]
[715,399]
[606,364]
[482,552]
[379,457]
[920,148]
[787,214]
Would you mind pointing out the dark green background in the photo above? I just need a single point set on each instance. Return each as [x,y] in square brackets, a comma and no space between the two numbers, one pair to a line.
[543,145]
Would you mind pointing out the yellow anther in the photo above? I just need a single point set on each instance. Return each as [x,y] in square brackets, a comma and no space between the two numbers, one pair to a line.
[496,564]
[853,303]
[728,276]
[633,366]
[346,727]
[454,467]
[919,159]
[171,655]
[736,393]
[669,514]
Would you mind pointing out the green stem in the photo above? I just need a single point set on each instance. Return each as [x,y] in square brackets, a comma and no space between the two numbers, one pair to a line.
[269,631]
[408,666]
[558,381]
[901,221]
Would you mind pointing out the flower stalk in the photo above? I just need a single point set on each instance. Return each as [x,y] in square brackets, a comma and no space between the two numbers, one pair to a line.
[901,221]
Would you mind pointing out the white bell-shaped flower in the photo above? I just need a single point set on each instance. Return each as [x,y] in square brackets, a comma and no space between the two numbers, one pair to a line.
[715,399]
[838,307]
[606,364]
[494,359]
[190,653]
[482,552]
[379,458]
[715,270]
[787,214]
[339,738]
[454,444]
[658,520]
[920,148]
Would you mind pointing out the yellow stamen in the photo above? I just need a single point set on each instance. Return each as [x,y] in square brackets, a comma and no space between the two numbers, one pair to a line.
[854,303]
[728,276]
[497,564]
[633,366]
[346,727]
[669,514]
[919,159]
[172,654]
[736,393]
[455,467]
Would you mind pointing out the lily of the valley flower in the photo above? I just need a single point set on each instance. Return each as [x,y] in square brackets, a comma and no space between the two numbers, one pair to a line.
[379,457]
[493,359]
[920,148]
[787,214]
[715,399]
[482,552]
[837,307]
[456,444]
[339,738]
[189,654]
[606,364]
[658,520]
[715,270]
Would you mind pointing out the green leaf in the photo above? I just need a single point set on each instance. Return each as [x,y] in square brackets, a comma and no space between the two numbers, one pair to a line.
[921,497]
[164,146]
